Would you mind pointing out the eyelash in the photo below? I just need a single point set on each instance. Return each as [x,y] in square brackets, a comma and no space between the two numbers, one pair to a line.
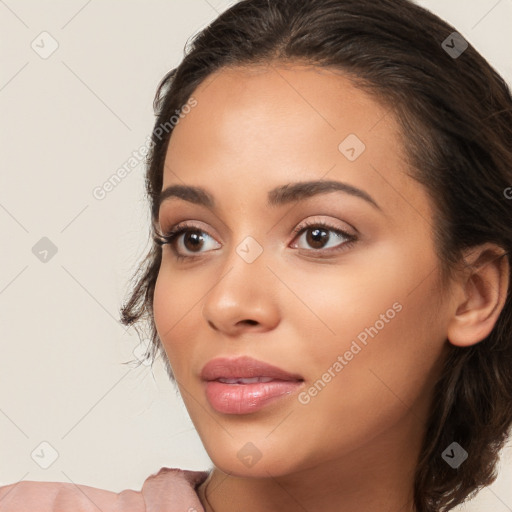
[172,235]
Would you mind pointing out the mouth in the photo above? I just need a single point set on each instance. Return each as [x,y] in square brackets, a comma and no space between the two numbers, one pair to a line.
[244,369]
[246,398]
[245,385]
[252,380]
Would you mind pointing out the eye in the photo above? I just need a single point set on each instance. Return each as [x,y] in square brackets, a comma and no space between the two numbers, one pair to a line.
[194,240]
[318,237]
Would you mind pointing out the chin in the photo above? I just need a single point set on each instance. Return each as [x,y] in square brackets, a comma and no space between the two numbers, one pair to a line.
[254,460]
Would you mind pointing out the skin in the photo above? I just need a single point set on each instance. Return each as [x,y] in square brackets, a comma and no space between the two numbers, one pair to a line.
[354,446]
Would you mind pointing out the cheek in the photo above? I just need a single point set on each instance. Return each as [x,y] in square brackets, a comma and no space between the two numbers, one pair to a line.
[381,320]
[162,307]
[172,313]
[343,300]
[356,389]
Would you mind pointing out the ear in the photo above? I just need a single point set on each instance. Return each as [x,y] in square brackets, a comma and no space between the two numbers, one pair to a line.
[484,287]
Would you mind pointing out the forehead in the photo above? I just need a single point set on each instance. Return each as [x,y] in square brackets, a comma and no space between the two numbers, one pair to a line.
[255,128]
[247,107]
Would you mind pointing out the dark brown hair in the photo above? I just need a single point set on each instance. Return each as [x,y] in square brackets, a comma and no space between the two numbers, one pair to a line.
[456,115]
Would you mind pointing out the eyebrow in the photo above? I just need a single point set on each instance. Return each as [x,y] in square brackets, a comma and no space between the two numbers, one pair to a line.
[284,194]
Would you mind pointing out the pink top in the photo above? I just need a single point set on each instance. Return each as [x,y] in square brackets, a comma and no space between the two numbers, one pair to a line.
[169,490]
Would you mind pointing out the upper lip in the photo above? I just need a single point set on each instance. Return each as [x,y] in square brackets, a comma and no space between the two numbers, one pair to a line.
[243,367]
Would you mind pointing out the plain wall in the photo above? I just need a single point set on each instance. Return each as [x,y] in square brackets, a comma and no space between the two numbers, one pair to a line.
[68,123]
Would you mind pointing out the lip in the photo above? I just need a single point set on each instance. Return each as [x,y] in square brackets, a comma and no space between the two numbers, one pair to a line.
[248,398]
[244,367]
[243,398]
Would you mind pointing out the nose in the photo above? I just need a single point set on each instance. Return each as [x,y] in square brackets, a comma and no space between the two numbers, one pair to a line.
[244,298]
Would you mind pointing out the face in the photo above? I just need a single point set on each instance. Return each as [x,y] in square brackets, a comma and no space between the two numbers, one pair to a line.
[337,285]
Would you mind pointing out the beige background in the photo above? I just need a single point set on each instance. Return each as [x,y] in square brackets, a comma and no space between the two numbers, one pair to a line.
[68,122]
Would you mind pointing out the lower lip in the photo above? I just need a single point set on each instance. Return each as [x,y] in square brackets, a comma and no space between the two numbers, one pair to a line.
[247,398]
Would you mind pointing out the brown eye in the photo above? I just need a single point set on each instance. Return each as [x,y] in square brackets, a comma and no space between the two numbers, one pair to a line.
[193,240]
[317,236]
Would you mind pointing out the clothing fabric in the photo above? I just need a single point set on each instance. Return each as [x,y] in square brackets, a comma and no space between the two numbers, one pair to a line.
[168,490]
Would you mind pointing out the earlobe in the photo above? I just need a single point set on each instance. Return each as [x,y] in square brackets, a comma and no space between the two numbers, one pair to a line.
[485,283]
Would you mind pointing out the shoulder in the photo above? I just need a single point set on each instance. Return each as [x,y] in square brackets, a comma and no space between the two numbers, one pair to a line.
[175,488]
[28,496]
[172,487]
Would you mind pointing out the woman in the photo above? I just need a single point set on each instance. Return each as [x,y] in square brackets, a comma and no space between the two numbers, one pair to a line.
[330,186]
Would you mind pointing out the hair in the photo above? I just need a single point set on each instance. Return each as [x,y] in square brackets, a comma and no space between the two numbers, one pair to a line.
[456,118]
